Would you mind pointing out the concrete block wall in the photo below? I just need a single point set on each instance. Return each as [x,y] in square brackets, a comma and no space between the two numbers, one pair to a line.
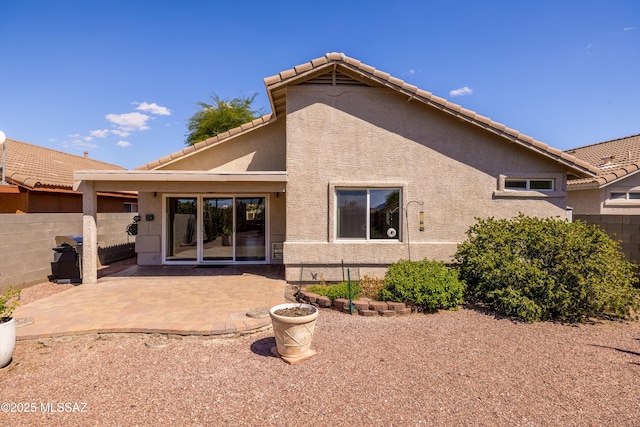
[624,228]
[27,242]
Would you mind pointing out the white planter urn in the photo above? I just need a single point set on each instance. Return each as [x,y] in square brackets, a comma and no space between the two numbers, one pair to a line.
[7,341]
[293,333]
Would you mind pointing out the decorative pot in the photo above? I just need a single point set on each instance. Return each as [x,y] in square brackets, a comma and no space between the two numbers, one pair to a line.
[293,334]
[7,341]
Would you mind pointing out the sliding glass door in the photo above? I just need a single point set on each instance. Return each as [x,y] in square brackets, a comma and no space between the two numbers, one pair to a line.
[217,239]
[204,229]
[182,229]
[250,229]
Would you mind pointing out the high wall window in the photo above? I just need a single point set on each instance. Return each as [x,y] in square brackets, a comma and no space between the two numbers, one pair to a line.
[631,195]
[529,184]
[368,214]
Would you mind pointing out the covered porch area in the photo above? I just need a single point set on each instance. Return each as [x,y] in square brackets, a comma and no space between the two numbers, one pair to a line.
[193,217]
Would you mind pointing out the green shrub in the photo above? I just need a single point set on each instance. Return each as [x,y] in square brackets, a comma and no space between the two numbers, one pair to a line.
[341,290]
[543,269]
[9,300]
[430,285]
[318,289]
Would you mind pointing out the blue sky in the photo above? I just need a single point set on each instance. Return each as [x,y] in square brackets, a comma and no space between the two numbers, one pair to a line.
[120,79]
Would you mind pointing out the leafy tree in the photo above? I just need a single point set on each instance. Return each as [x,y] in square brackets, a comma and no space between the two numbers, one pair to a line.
[547,269]
[220,116]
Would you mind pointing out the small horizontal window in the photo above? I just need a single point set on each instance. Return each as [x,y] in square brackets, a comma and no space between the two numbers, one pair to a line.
[529,184]
[618,195]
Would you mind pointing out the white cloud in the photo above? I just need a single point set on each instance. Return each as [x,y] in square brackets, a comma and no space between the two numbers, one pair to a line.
[124,144]
[461,91]
[79,143]
[629,28]
[99,133]
[120,133]
[129,121]
[154,108]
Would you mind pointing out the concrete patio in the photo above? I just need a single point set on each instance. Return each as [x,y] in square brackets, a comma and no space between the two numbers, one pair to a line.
[185,300]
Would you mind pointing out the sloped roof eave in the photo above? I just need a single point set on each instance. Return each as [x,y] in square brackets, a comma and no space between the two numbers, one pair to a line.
[601,181]
[333,60]
[209,142]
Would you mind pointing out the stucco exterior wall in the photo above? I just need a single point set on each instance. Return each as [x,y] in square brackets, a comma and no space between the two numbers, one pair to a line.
[347,136]
[598,200]
[261,149]
[585,201]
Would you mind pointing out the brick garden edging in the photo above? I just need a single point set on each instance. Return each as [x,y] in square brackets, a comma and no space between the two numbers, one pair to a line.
[362,307]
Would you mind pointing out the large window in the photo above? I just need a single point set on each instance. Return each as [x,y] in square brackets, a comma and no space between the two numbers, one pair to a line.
[368,214]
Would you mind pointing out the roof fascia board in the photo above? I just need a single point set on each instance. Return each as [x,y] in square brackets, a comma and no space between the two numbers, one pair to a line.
[177,176]
[436,102]
[455,110]
[627,175]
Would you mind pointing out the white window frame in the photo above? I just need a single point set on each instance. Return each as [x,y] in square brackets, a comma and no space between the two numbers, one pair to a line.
[335,187]
[626,195]
[527,182]
[557,183]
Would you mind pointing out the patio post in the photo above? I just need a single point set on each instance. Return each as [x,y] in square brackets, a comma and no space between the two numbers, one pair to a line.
[89,233]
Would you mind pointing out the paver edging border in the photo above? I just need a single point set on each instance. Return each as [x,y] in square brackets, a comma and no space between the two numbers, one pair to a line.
[361,307]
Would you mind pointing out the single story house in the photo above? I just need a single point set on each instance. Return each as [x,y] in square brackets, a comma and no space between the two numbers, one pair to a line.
[615,190]
[352,166]
[40,180]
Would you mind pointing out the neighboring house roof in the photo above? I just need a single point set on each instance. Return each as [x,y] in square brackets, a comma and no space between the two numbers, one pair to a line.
[42,168]
[615,160]
[338,68]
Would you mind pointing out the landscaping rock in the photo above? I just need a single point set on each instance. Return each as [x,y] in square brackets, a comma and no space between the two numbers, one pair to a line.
[378,305]
[323,301]
[368,313]
[310,296]
[396,305]
[341,303]
[361,305]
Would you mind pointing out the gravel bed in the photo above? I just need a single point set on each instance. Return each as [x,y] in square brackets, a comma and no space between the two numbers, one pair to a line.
[450,368]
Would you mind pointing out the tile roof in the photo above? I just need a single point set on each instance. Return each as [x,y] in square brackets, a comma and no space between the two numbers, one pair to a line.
[615,159]
[34,167]
[342,67]
[259,122]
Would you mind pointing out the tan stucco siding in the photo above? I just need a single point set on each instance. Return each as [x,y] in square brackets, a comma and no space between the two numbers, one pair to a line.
[598,200]
[585,201]
[349,136]
[261,149]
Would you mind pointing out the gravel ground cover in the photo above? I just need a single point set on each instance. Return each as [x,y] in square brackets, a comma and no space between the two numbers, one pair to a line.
[463,367]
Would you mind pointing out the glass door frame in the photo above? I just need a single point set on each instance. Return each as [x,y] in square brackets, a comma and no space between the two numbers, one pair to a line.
[200,228]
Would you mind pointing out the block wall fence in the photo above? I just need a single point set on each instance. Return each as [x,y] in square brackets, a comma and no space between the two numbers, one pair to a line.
[624,228]
[27,242]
